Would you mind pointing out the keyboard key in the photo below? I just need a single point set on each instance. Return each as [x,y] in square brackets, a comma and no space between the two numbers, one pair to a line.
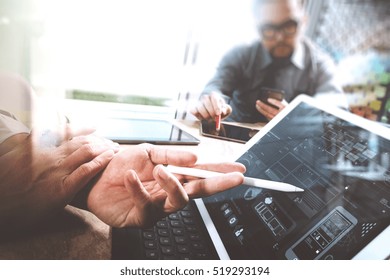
[197,246]
[188,207]
[148,235]
[233,221]
[183,249]
[163,232]
[162,224]
[180,240]
[176,224]
[227,212]
[195,237]
[150,244]
[191,229]
[189,221]
[151,254]
[186,214]
[201,255]
[176,237]
[174,216]
[178,231]
[165,241]
[224,207]
[167,250]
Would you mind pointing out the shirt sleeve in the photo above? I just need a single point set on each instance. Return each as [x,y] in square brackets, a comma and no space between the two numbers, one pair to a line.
[326,81]
[229,73]
[10,127]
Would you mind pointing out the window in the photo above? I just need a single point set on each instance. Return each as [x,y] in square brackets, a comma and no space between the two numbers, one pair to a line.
[139,51]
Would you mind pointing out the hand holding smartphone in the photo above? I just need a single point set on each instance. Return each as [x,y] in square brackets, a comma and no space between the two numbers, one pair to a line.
[266,93]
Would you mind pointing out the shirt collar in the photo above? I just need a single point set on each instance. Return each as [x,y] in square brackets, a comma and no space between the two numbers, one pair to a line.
[297,59]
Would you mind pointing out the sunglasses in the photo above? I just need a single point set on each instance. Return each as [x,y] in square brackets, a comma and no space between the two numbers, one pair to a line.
[288,28]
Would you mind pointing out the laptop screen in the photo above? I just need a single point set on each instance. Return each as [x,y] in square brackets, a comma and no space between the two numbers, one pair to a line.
[345,171]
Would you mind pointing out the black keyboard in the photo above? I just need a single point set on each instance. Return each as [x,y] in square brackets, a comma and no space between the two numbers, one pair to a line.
[180,236]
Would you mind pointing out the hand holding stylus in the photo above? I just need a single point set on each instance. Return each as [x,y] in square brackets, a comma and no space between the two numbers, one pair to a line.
[137,190]
[210,106]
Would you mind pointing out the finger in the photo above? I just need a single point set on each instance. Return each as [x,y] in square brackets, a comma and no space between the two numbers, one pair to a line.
[276,103]
[84,154]
[207,103]
[226,110]
[210,186]
[136,190]
[266,110]
[177,197]
[77,142]
[174,157]
[72,131]
[203,111]
[76,180]
[217,103]
[195,112]
[73,145]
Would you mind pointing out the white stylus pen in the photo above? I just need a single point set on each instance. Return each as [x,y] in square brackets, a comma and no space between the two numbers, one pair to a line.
[254,182]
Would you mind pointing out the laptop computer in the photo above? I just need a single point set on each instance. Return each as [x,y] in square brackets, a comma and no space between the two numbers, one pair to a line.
[341,160]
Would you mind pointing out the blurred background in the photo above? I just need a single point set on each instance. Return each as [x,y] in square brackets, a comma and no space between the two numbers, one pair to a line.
[120,55]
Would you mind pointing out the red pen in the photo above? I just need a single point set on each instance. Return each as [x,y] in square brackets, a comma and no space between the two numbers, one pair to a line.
[217,122]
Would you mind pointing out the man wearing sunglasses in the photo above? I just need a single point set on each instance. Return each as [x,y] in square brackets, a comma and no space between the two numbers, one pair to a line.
[282,62]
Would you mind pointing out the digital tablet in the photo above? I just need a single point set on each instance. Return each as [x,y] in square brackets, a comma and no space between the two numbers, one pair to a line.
[137,131]
[342,161]
[227,132]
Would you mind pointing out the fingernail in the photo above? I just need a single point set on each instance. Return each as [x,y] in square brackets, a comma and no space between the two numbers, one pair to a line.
[111,154]
[161,171]
[116,147]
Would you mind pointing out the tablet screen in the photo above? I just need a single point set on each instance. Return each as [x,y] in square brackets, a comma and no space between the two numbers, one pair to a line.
[345,171]
[135,131]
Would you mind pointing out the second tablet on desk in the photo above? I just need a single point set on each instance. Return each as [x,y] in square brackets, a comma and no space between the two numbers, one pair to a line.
[137,131]
[227,132]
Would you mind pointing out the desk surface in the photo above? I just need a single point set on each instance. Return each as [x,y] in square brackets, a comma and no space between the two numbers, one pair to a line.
[78,234]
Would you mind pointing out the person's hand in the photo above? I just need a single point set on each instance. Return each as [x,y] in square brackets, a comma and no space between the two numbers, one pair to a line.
[136,189]
[36,181]
[211,106]
[268,111]
[47,138]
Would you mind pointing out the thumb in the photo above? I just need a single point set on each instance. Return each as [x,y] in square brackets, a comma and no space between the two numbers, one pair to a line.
[226,110]
[79,178]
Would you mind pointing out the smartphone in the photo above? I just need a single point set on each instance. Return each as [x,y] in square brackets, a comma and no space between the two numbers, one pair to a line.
[227,132]
[266,93]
